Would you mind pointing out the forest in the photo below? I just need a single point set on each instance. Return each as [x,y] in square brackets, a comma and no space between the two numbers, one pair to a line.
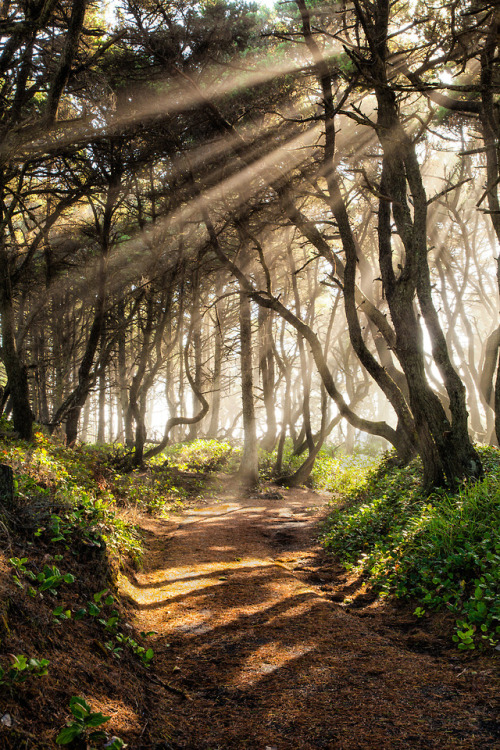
[249,338]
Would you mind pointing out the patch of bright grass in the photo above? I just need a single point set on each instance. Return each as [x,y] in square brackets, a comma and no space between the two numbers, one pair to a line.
[199,455]
[341,473]
[337,473]
[441,550]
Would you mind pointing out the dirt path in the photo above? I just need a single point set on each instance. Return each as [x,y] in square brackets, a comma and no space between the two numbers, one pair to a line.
[240,596]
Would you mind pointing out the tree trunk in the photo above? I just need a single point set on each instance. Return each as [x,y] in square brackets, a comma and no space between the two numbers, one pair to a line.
[197,344]
[303,473]
[41,378]
[249,466]
[176,421]
[489,119]
[446,450]
[85,421]
[278,466]
[497,405]
[304,364]
[137,406]
[266,366]
[213,427]
[101,421]
[76,400]
[127,433]
[16,371]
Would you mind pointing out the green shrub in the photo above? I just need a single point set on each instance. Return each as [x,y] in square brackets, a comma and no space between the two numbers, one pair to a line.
[199,455]
[69,494]
[442,550]
[335,473]
[77,491]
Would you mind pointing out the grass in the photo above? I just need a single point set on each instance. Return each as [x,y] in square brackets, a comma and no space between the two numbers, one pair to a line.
[441,551]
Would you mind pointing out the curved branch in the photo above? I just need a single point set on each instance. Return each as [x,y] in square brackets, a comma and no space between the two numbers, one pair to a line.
[382,429]
[174,421]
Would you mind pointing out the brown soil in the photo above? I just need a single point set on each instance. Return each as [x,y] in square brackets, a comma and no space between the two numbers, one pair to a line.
[263,644]
[32,713]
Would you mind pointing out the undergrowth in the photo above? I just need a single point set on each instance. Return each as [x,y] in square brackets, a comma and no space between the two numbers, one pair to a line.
[442,551]
[62,536]
[332,471]
[85,488]
[65,494]
[201,455]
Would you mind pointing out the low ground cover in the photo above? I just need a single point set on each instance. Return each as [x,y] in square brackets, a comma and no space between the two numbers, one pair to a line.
[333,471]
[440,551]
[66,640]
[71,663]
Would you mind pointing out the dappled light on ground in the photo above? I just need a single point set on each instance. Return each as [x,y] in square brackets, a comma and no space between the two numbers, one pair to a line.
[259,654]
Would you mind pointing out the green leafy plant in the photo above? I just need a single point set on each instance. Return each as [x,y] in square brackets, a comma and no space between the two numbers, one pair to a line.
[110,623]
[99,596]
[95,608]
[148,633]
[441,551]
[84,719]
[114,649]
[60,614]
[19,564]
[22,668]
[146,655]
[58,529]
[464,636]
[50,578]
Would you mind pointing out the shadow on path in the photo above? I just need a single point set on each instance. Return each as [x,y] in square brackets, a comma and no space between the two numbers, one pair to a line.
[269,661]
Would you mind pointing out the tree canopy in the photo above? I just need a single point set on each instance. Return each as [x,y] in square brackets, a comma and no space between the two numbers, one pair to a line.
[226,220]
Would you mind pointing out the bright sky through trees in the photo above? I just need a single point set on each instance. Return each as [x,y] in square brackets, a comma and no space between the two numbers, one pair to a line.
[271,238]
[250,224]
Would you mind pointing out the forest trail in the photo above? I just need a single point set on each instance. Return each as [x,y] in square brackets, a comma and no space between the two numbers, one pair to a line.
[240,595]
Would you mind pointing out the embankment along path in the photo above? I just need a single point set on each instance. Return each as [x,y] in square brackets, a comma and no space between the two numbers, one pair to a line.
[240,595]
